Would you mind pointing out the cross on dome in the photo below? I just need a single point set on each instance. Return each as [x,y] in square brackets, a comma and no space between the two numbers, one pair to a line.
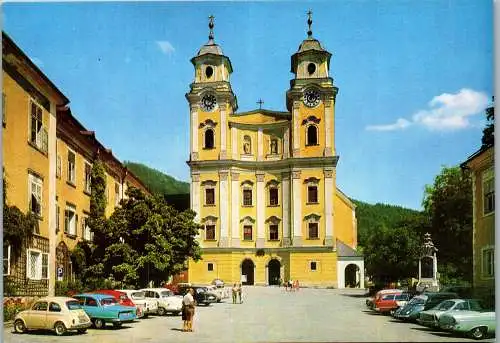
[309,23]
[211,27]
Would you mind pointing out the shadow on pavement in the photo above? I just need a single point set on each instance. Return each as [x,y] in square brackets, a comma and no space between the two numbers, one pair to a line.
[176,329]
[355,295]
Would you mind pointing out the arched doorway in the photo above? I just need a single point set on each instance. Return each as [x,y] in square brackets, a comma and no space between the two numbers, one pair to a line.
[274,272]
[247,269]
[352,276]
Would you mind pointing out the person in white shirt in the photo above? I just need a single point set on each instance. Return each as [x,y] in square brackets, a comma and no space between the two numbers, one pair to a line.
[189,303]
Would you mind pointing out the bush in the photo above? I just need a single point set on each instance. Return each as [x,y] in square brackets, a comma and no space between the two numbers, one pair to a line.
[68,288]
[11,307]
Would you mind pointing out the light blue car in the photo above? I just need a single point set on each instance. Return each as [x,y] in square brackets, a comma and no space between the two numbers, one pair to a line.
[104,309]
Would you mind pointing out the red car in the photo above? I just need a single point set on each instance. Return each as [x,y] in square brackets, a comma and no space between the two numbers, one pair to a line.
[386,302]
[122,299]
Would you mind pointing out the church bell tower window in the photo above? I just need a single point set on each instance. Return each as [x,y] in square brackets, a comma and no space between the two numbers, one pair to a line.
[312,135]
[209,139]
[209,72]
[311,68]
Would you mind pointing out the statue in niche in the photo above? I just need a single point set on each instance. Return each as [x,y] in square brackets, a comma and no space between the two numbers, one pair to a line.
[246,145]
[274,146]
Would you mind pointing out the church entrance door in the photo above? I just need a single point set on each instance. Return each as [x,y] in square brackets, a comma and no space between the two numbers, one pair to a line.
[247,270]
[274,267]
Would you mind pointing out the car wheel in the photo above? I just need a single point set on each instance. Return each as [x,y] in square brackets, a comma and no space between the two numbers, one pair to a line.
[99,323]
[478,333]
[82,331]
[117,325]
[161,311]
[19,326]
[59,328]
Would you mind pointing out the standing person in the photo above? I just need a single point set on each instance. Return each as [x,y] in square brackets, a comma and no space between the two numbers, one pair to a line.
[239,293]
[235,292]
[189,302]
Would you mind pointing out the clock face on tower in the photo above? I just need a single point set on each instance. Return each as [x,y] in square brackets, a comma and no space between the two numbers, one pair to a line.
[208,102]
[311,98]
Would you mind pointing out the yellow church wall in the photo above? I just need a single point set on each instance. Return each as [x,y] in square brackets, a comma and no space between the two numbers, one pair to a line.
[326,264]
[310,208]
[343,221]
[19,157]
[208,154]
[304,113]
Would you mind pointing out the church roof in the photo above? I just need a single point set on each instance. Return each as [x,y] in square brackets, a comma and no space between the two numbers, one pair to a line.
[310,44]
[210,48]
[264,112]
[343,250]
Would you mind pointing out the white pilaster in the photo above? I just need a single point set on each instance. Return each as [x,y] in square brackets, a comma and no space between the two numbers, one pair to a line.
[223,132]
[194,132]
[329,189]
[52,147]
[261,203]
[260,145]
[285,191]
[224,209]
[297,208]
[286,143]
[234,144]
[235,209]
[296,129]
[328,127]
[195,198]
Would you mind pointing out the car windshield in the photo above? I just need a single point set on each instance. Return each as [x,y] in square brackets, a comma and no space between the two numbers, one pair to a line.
[138,295]
[165,294]
[108,301]
[416,301]
[401,297]
[73,305]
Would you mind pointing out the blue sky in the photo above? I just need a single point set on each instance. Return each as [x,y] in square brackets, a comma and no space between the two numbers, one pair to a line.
[414,77]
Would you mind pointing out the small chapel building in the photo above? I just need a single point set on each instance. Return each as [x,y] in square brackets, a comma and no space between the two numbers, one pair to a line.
[263,182]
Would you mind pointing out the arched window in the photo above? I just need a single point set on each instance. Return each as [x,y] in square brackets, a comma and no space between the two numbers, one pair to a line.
[312,135]
[247,145]
[209,139]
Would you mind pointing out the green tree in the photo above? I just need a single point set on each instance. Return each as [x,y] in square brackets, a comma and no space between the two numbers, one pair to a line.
[488,138]
[448,204]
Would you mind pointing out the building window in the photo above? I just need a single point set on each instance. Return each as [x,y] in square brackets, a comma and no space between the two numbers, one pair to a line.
[36,187]
[313,231]
[117,194]
[273,232]
[488,262]
[312,194]
[70,220]
[314,266]
[71,167]
[58,167]
[210,267]
[488,191]
[6,260]
[209,139]
[209,196]
[210,232]
[247,197]
[312,135]
[88,178]
[87,234]
[58,215]
[273,196]
[37,265]
[38,134]
[247,232]
[247,145]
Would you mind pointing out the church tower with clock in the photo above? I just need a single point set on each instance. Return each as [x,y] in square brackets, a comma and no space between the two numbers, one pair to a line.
[263,182]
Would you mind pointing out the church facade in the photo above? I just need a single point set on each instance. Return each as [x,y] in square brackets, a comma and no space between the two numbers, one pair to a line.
[263,182]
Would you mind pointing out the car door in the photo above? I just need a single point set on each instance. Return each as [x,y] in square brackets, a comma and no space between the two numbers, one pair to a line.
[53,315]
[38,315]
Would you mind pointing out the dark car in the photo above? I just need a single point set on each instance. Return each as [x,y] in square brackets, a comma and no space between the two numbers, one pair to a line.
[201,295]
[411,311]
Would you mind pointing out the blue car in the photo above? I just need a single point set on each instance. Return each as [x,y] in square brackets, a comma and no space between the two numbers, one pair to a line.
[104,309]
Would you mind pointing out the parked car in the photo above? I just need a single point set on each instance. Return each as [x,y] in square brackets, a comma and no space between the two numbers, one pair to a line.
[123,300]
[166,299]
[370,301]
[422,302]
[60,314]
[430,317]
[201,295]
[221,292]
[388,302]
[103,308]
[476,324]
[149,306]
[218,283]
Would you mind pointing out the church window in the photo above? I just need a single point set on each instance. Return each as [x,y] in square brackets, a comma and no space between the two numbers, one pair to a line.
[313,231]
[209,196]
[247,197]
[247,232]
[488,191]
[210,266]
[247,145]
[312,194]
[209,139]
[312,135]
[274,146]
[314,266]
[210,232]
[273,232]
[273,196]
[209,71]
[311,68]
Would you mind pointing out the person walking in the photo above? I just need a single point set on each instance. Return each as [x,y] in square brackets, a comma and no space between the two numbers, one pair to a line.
[235,292]
[189,303]
[239,293]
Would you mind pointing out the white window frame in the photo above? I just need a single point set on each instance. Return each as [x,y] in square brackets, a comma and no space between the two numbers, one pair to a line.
[58,167]
[36,182]
[316,264]
[210,220]
[70,224]
[41,135]
[72,168]
[87,177]
[39,265]
[209,184]
[247,185]
[312,182]
[307,135]
[313,219]
[205,139]
[213,267]
[488,176]
[487,266]
[7,259]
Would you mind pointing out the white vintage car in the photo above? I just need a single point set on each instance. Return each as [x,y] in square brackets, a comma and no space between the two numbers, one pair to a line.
[147,306]
[60,314]
[167,301]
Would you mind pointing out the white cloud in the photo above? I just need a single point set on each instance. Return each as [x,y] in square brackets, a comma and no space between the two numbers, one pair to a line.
[165,47]
[400,124]
[445,112]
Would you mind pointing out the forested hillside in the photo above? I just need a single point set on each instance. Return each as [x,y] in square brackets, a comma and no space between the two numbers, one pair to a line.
[156,181]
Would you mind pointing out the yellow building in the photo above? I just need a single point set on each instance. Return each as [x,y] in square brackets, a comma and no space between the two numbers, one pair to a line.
[481,165]
[263,183]
[47,158]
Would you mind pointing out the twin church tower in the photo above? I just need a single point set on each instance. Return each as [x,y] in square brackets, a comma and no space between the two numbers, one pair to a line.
[263,182]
